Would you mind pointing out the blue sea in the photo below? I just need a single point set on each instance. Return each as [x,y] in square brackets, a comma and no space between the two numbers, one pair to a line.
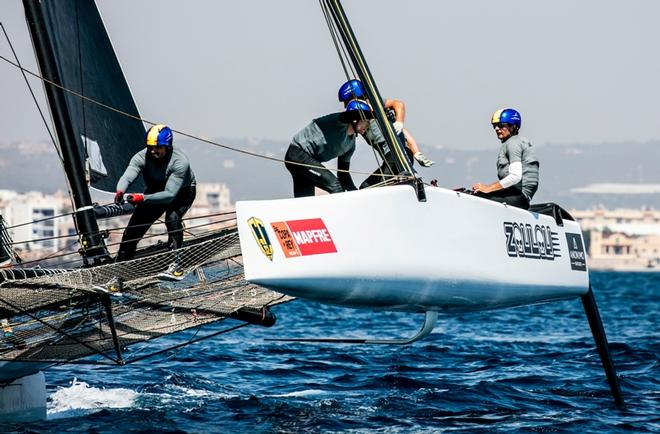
[526,369]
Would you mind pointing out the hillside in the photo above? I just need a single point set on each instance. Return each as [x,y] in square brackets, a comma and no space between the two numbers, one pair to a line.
[566,171]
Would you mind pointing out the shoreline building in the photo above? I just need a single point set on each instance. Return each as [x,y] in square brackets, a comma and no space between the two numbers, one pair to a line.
[621,239]
[47,235]
[35,207]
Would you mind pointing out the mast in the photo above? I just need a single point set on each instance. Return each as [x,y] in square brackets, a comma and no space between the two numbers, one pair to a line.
[341,21]
[91,240]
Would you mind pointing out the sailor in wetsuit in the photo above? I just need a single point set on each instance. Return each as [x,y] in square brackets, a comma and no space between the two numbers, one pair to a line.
[170,189]
[396,111]
[325,138]
[517,165]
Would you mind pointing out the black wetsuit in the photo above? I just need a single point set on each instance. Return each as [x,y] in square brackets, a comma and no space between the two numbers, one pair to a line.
[170,189]
[375,138]
[322,140]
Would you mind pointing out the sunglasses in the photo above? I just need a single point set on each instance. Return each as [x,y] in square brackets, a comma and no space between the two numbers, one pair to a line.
[502,125]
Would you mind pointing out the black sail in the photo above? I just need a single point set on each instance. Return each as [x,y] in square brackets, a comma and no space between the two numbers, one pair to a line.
[87,65]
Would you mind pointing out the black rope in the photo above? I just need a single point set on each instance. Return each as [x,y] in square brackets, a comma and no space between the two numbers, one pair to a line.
[43,117]
[36,318]
[182,133]
[343,59]
[80,71]
[133,360]
[335,40]
[34,98]
[40,220]
[158,234]
[192,341]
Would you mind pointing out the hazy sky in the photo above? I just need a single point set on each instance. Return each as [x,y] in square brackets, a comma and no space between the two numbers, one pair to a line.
[579,71]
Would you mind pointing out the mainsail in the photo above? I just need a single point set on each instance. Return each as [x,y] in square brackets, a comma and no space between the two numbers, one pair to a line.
[58,315]
[102,113]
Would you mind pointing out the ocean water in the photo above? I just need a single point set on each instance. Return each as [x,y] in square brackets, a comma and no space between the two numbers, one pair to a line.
[526,369]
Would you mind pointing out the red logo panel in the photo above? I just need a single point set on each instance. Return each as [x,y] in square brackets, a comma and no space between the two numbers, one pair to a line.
[304,237]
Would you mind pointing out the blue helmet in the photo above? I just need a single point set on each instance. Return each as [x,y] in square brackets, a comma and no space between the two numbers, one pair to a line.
[350,90]
[159,135]
[506,116]
[355,110]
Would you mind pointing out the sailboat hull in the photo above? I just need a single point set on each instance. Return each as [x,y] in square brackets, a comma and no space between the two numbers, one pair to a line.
[381,248]
[23,399]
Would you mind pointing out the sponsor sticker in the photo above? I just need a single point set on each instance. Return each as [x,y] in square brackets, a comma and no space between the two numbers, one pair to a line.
[576,252]
[524,240]
[304,237]
[260,235]
[283,235]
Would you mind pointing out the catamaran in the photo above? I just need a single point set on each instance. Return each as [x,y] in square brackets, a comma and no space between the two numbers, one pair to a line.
[356,249]
[60,315]
[409,246]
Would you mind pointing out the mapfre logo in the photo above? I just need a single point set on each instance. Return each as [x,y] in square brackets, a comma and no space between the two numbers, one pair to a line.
[303,237]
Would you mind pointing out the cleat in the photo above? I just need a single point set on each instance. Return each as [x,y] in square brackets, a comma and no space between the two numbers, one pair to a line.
[174,272]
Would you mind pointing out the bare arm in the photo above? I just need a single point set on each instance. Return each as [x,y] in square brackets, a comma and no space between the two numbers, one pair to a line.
[410,141]
[399,109]
[514,177]
[487,188]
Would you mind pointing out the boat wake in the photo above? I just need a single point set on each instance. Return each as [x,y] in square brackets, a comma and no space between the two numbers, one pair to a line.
[81,399]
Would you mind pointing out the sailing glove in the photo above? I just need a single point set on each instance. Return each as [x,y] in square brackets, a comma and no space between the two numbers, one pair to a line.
[135,198]
[119,196]
[423,159]
[398,127]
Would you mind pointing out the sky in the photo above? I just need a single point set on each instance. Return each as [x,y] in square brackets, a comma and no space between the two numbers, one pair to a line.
[579,71]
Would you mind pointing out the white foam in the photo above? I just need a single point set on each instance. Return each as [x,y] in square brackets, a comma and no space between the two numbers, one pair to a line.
[81,398]
[309,392]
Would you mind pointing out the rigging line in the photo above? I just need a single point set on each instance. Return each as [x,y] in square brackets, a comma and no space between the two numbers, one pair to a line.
[223,213]
[60,362]
[34,97]
[57,255]
[360,61]
[376,156]
[41,113]
[82,89]
[254,154]
[192,341]
[58,330]
[334,33]
[182,133]
[52,256]
[40,220]
[343,47]
[201,225]
[36,240]
[334,40]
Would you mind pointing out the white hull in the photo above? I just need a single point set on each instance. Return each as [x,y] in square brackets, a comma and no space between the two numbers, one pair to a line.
[24,399]
[381,248]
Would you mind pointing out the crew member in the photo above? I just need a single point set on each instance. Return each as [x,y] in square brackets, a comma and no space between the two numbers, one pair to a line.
[517,165]
[396,111]
[325,138]
[170,189]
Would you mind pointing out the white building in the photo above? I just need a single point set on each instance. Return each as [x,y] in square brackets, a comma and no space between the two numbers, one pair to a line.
[38,210]
[37,234]
[211,209]
[645,221]
[622,239]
